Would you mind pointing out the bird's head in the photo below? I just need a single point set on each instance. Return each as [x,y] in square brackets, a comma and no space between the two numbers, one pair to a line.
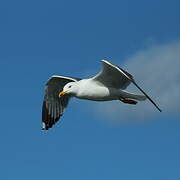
[69,88]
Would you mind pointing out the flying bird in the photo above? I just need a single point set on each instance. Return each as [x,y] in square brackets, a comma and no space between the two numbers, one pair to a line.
[107,85]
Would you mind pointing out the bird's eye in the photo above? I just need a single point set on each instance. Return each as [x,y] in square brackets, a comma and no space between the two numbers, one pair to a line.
[69,87]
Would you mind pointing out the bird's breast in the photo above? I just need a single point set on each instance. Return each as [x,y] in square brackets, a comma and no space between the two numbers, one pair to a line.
[96,93]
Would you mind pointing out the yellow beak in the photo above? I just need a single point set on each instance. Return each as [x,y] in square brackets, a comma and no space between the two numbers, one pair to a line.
[62,93]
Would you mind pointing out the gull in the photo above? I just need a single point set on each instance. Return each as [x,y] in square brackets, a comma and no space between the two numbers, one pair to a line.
[109,84]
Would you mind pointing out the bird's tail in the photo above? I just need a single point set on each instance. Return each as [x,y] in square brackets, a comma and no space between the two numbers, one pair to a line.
[133,96]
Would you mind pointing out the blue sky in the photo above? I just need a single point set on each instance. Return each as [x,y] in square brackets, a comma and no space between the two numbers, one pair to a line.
[42,38]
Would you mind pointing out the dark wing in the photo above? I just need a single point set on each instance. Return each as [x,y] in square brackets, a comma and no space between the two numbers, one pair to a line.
[115,77]
[53,106]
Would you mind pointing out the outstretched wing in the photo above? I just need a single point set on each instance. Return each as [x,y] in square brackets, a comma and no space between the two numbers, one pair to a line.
[115,77]
[53,106]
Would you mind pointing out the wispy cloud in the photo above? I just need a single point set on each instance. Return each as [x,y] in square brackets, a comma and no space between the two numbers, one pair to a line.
[157,70]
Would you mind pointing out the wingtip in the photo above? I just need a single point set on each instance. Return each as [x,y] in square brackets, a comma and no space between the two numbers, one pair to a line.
[44,127]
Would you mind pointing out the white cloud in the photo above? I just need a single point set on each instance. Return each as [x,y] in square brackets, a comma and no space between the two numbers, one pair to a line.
[157,70]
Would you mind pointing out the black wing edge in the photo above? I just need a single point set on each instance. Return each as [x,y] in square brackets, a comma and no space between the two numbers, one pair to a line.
[133,81]
[146,95]
[47,120]
[131,78]
[126,74]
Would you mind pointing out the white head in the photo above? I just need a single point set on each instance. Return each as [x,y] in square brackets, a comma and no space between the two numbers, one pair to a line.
[70,88]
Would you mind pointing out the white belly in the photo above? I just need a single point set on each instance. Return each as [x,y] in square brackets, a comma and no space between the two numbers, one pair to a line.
[98,93]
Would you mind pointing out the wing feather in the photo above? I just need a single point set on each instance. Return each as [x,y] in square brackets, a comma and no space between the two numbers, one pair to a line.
[116,77]
[53,106]
[113,76]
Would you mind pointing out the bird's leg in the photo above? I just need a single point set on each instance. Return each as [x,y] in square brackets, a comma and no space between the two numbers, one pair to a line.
[127,101]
